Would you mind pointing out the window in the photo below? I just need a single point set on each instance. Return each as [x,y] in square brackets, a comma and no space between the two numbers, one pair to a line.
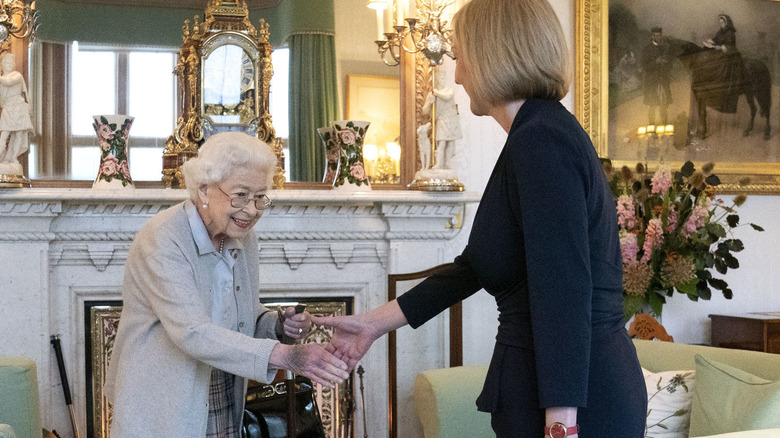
[138,83]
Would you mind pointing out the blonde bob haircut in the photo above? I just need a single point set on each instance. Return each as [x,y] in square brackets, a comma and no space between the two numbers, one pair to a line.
[224,152]
[514,49]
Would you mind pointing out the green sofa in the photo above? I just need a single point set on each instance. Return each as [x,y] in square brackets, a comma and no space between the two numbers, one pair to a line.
[445,398]
[19,401]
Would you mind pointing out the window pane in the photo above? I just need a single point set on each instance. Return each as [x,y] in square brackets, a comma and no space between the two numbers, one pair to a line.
[151,94]
[93,88]
[85,161]
[280,58]
[146,163]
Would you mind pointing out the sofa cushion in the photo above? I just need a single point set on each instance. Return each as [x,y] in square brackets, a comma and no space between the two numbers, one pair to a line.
[668,403]
[728,399]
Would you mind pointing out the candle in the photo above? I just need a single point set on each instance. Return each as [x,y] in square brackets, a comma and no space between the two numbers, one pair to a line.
[650,129]
[400,11]
[670,129]
[660,129]
[394,152]
[641,131]
[380,24]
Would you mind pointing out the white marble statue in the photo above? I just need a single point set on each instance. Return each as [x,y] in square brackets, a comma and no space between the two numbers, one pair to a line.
[424,143]
[15,122]
[447,119]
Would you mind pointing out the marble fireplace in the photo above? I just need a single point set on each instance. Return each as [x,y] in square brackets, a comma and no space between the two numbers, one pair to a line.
[62,252]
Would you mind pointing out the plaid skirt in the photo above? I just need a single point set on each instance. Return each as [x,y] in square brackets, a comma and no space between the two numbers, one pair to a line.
[222,407]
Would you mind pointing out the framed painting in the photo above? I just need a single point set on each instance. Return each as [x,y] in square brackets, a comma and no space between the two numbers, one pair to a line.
[102,322]
[683,81]
[376,99]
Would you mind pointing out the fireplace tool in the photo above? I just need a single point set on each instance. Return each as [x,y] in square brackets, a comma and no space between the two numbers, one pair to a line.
[360,372]
[55,341]
[289,379]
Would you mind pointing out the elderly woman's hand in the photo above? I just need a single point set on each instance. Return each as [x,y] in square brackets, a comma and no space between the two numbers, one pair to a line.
[312,361]
[296,326]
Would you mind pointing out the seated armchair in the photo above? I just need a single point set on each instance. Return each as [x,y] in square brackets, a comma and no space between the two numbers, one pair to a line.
[19,400]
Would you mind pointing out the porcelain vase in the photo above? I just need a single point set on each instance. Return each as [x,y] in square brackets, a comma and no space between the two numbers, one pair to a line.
[112,132]
[344,167]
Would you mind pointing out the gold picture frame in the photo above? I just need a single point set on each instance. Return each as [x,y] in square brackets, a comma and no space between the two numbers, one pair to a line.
[592,96]
[102,325]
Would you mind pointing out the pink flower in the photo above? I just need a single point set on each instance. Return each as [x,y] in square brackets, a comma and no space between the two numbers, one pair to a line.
[104,145]
[696,220]
[110,166]
[333,152]
[348,136]
[671,220]
[125,169]
[662,179]
[625,212]
[654,237]
[104,132]
[628,246]
[358,171]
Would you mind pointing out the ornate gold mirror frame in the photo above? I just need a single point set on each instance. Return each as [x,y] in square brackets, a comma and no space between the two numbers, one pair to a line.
[226,23]
[591,102]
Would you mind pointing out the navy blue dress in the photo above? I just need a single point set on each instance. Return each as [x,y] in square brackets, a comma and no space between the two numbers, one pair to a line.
[545,244]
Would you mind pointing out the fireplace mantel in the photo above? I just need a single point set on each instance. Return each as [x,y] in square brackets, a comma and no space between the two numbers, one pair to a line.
[62,248]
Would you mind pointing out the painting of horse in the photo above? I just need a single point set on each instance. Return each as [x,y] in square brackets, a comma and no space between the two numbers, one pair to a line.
[719,80]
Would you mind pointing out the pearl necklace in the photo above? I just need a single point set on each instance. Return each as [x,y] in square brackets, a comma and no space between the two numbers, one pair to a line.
[221,245]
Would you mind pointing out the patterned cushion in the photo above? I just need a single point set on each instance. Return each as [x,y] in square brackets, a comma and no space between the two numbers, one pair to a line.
[668,403]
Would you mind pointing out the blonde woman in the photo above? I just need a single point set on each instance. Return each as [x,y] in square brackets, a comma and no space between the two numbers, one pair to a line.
[544,243]
[15,122]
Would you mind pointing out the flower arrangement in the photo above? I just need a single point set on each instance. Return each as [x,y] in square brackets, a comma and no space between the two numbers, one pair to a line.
[673,232]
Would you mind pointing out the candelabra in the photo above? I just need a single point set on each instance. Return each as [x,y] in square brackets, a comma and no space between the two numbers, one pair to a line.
[429,34]
[653,137]
[18,18]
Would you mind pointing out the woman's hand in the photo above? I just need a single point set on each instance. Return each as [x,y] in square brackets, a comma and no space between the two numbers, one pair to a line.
[310,360]
[296,326]
[352,336]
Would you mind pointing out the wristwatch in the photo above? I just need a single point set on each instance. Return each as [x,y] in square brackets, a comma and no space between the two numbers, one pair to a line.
[559,430]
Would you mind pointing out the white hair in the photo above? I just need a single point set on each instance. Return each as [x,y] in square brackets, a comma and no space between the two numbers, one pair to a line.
[224,152]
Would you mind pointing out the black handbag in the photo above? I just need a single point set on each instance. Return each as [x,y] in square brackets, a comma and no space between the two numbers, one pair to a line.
[265,412]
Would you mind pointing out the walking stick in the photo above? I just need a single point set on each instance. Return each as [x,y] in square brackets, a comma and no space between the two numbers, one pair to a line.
[55,341]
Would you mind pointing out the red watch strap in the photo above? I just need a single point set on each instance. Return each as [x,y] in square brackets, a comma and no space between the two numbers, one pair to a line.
[560,427]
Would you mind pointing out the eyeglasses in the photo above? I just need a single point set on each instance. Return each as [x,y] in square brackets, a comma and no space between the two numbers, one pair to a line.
[239,200]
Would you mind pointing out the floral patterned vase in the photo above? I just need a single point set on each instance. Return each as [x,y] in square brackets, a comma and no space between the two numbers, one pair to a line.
[112,132]
[344,167]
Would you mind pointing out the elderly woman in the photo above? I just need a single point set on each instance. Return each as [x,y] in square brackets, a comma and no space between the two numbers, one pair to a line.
[544,243]
[192,328]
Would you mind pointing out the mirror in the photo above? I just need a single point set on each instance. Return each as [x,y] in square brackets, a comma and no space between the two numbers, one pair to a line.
[356,54]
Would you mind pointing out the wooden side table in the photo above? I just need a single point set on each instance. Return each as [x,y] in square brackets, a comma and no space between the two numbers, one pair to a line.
[759,331]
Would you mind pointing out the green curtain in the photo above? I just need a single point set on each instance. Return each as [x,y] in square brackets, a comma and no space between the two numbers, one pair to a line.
[313,102]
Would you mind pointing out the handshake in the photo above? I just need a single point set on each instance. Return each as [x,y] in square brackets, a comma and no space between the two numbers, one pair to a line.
[329,364]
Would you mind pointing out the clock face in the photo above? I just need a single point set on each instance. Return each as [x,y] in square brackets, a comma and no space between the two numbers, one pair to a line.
[247,74]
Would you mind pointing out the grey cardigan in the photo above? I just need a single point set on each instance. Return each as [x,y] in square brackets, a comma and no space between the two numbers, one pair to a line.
[166,345]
